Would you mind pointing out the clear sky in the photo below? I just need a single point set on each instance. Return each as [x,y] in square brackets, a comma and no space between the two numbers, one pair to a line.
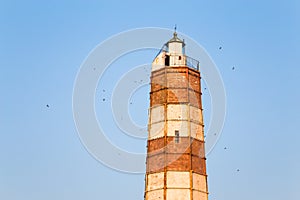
[43,44]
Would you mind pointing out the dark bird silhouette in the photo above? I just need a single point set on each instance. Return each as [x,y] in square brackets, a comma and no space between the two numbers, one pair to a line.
[238,170]
[232,68]
[225,147]
[47,106]
[103,99]
[220,48]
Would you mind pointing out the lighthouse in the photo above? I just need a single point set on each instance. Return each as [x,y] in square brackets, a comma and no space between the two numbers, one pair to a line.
[176,163]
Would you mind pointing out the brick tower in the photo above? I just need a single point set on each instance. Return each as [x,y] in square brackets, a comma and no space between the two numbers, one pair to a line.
[176,166]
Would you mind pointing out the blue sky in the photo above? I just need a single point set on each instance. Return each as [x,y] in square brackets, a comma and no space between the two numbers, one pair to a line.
[43,44]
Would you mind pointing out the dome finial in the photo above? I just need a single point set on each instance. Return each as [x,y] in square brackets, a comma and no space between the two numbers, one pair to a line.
[175,29]
[175,38]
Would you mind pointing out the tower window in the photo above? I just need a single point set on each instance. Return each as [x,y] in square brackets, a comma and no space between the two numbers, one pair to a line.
[167,60]
[176,136]
[179,58]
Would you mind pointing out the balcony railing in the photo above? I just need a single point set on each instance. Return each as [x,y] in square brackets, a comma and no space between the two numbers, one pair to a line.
[189,61]
[192,63]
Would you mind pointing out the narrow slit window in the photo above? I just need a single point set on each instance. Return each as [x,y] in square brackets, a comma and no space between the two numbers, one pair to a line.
[176,136]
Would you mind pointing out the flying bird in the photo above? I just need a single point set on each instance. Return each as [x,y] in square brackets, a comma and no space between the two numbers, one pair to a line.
[232,68]
[47,106]
[220,48]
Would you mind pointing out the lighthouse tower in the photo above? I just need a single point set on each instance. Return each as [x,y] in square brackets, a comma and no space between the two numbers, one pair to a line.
[176,163]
